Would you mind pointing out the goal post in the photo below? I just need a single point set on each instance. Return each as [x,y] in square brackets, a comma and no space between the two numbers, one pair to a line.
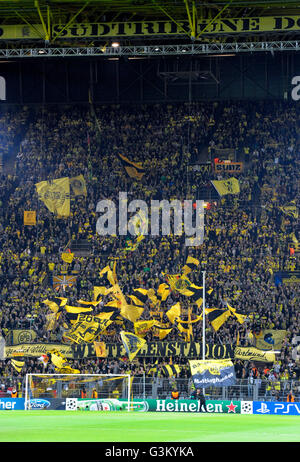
[80,391]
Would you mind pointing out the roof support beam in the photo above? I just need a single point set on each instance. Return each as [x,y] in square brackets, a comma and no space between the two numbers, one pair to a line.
[71,20]
[47,29]
[216,17]
[204,49]
[171,18]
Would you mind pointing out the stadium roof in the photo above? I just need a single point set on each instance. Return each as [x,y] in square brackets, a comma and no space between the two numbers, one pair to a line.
[66,13]
[93,25]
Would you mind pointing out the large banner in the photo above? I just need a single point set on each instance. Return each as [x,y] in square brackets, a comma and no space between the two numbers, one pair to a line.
[158,405]
[117,350]
[37,350]
[254,354]
[229,167]
[227,26]
[161,350]
[275,408]
[270,339]
[287,277]
[212,373]
[19,336]
[189,350]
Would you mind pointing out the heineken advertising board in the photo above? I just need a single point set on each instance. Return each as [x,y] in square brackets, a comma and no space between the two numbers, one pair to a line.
[159,405]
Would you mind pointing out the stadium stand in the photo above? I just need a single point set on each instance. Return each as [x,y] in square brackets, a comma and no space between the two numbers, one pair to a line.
[250,250]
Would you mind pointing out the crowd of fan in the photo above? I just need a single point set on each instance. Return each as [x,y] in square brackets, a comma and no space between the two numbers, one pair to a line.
[247,237]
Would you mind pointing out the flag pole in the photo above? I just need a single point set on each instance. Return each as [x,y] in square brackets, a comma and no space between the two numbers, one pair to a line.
[203,318]
[203,323]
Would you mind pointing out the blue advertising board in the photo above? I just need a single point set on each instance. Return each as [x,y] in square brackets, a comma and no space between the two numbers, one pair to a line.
[9,404]
[276,408]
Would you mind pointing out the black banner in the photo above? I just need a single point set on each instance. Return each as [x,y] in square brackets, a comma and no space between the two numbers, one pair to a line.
[160,350]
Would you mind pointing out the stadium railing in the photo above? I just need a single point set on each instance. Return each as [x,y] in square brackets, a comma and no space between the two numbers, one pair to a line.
[145,387]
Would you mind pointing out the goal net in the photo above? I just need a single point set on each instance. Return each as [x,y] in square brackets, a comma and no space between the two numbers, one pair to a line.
[80,391]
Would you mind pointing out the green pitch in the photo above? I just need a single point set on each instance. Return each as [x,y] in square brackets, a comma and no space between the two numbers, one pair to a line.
[97,426]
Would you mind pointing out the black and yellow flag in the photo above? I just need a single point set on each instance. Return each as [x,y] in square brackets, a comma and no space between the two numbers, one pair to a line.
[161,330]
[87,327]
[133,169]
[153,370]
[191,265]
[140,296]
[100,290]
[230,186]
[132,344]
[56,195]
[60,363]
[78,186]
[56,304]
[290,209]
[17,364]
[171,370]
[82,307]
[174,313]
[163,292]
[195,294]
[141,328]
[240,317]
[177,281]
[217,317]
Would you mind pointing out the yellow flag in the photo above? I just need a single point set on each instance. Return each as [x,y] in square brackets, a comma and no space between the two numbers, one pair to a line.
[87,328]
[131,312]
[230,186]
[50,321]
[142,327]
[17,364]
[133,169]
[56,304]
[174,312]
[100,290]
[161,330]
[290,210]
[78,185]
[68,370]
[163,292]
[132,344]
[110,274]
[217,317]
[29,217]
[190,265]
[240,317]
[56,195]
[100,349]
[57,358]
[67,257]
